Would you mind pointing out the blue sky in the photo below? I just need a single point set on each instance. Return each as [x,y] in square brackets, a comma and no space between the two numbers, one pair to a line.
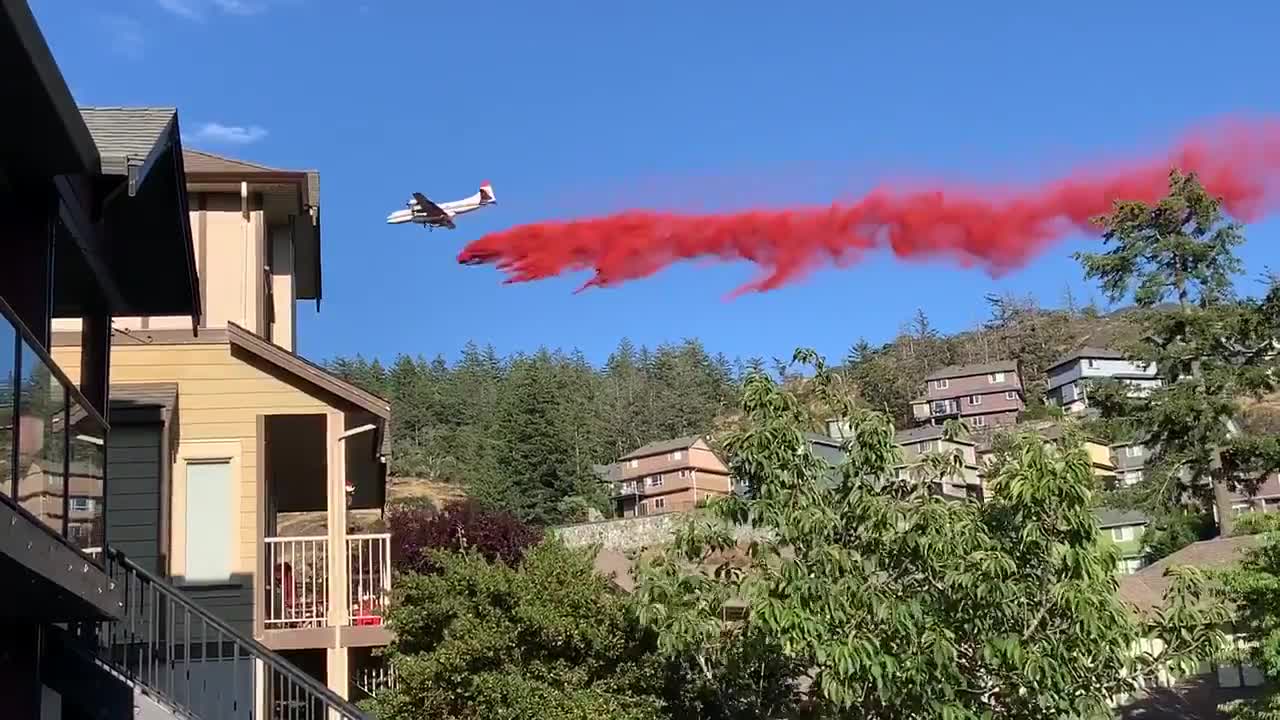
[579,108]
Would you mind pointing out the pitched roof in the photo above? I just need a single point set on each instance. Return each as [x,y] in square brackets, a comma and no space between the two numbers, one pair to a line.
[1145,589]
[1110,517]
[305,369]
[1086,352]
[199,162]
[127,135]
[959,371]
[662,446]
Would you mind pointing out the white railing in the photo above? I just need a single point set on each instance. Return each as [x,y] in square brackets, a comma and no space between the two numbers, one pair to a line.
[298,582]
[368,577]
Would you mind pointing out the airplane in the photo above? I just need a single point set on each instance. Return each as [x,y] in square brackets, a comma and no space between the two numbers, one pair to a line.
[433,215]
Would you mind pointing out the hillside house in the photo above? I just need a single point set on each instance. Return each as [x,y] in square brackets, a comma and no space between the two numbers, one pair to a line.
[667,476]
[1125,529]
[1070,374]
[983,396]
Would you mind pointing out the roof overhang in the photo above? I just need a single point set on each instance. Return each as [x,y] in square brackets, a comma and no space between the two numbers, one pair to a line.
[301,368]
[306,228]
[146,214]
[45,136]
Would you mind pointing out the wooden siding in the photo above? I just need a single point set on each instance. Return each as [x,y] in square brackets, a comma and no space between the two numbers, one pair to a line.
[133,493]
[220,395]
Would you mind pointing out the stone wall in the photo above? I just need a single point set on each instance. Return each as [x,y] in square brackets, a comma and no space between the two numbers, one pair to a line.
[629,533]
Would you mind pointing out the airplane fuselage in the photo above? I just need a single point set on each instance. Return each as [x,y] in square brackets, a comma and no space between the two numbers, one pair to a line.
[452,209]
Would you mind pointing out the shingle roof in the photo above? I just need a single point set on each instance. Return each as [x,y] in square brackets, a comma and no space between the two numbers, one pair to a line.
[959,371]
[199,161]
[126,133]
[919,434]
[144,394]
[1087,351]
[662,446]
[1145,589]
[1110,517]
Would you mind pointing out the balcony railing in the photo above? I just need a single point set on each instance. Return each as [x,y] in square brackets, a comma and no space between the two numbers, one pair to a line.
[52,441]
[301,572]
[368,577]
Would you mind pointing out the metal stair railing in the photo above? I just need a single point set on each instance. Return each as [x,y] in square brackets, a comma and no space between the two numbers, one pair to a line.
[197,663]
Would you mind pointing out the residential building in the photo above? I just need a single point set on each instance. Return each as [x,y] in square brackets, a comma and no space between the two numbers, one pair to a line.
[668,476]
[913,444]
[1130,460]
[983,396]
[1125,529]
[65,205]
[244,472]
[1070,374]
[1200,694]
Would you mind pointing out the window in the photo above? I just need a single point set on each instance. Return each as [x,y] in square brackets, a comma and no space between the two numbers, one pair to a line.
[677,455]
[941,384]
[654,481]
[686,473]
[1091,363]
[634,464]
[1129,566]
[928,446]
[659,503]
[995,377]
[975,399]
[1123,533]
[81,504]
[1132,477]
[979,421]
[1010,395]
[209,518]
[1134,451]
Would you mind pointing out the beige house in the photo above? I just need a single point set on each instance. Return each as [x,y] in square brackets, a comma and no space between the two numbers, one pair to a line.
[667,476]
[223,437]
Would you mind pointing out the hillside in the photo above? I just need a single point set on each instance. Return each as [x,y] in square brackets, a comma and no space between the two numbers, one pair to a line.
[524,431]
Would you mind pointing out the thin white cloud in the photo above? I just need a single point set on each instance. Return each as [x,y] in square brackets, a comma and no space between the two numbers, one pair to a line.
[198,10]
[213,132]
[124,34]
[239,7]
[189,9]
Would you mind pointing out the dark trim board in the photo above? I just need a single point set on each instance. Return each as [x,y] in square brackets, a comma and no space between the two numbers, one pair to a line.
[89,593]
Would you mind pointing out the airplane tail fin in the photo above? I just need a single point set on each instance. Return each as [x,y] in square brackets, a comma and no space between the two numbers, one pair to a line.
[486,193]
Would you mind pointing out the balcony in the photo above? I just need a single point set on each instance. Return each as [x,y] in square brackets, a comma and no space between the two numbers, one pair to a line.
[52,441]
[302,573]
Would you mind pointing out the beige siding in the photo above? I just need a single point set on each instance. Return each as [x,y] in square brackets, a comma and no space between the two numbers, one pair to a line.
[221,397]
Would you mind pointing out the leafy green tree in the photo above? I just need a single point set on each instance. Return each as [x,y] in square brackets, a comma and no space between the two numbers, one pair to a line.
[1254,590]
[546,640]
[891,601]
[1210,348]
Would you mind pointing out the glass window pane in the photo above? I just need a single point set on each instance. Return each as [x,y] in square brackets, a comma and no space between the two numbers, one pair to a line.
[209,517]
[86,524]
[42,441]
[8,352]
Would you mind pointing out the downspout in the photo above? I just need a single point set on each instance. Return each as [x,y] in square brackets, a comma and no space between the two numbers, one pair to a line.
[244,258]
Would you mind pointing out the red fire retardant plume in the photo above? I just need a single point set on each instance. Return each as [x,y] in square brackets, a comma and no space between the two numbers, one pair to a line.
[996,229]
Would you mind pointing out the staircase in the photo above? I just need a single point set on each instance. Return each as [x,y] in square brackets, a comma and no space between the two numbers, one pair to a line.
[183,662]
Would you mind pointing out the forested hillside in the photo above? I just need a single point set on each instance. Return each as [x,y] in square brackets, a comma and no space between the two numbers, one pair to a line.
[524,431]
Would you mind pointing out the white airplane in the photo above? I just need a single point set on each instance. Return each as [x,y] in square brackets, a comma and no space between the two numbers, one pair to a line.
[432,215]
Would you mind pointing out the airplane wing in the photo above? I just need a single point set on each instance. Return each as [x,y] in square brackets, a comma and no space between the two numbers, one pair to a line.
[429,208]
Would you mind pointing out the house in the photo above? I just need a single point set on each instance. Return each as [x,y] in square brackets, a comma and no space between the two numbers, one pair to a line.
[1124,528]
[1069,376]
[983,396]
[65,204]
[668,476]
[913,443]
[246,474]
[1200,694]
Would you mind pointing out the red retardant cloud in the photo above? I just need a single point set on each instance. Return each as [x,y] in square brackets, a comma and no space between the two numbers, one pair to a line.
[996,229]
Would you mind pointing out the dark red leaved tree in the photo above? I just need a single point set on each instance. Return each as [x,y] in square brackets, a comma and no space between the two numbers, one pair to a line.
[415,530]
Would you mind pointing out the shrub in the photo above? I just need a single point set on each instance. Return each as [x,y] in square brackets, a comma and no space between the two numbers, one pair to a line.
[416,530]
